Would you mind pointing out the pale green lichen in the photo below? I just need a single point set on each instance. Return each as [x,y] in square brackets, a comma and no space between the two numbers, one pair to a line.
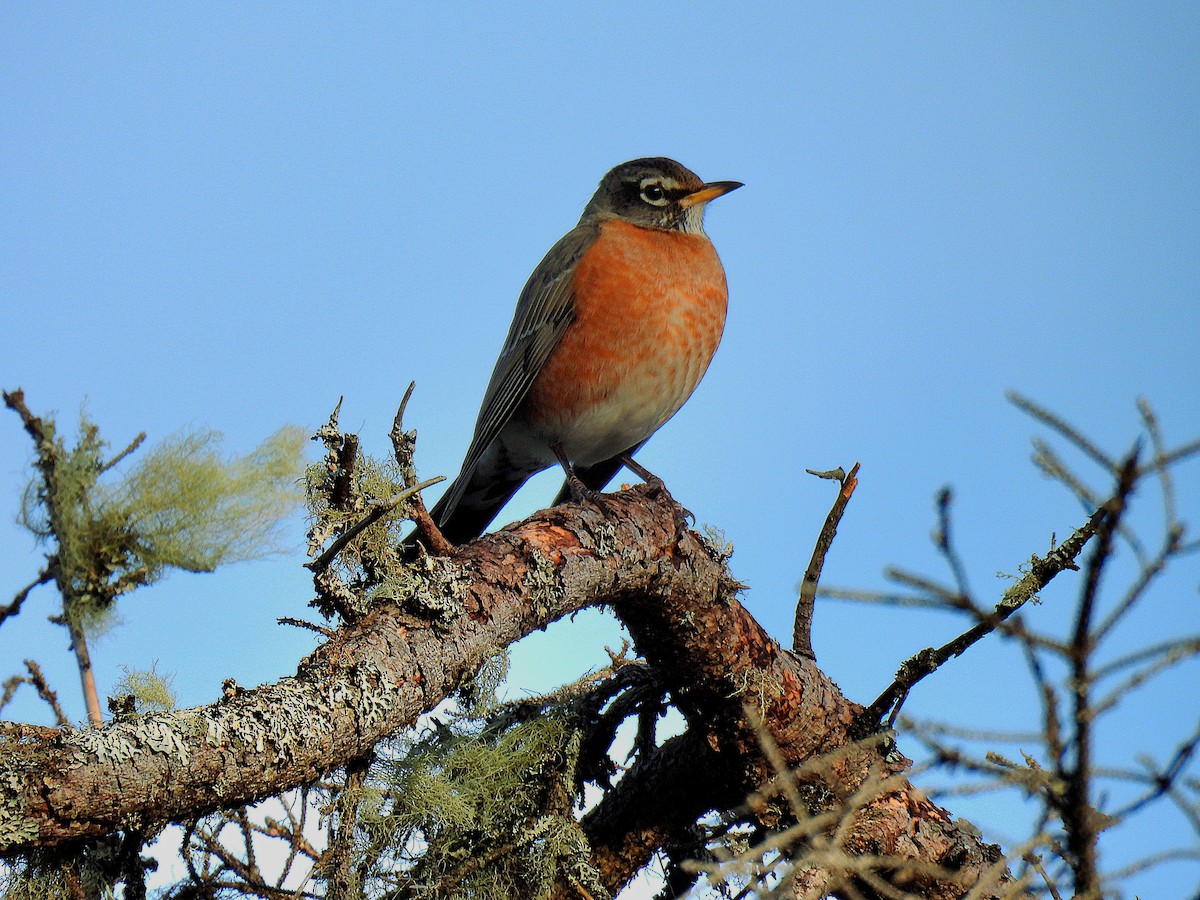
[182,505]
[605,536]
[542,585]
[367,568]
[431,586]
[714,541]
[121,742]
[15,827]
[150,690]
[477,694]
[503,796]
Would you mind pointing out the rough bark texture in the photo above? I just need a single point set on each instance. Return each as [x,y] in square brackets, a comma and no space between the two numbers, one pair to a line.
[677,599]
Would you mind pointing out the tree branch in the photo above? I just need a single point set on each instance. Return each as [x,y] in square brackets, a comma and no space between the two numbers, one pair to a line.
[802,626]
[370,680]
[44,577]
[377,675]
[1040,573]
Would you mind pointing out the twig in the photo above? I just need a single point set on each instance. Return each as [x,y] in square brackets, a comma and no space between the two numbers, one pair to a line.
[1150,420]
[882,598]
[785,779]
[1051,721]
[1052,466]
[403,446]
[1036,863]
[310,626]
[1175,646]
[1041,572]
[1151,569]
[946,545]
[1048,418]
[87,676]
[802,627]
[337,862]
[1163,781]
[133,445]
[47,463]
[15,400]
[13,608]
[38,680]
[1191,448]
[934,727]
[379,509]
[946,597]
[1182,650]
[1081,825]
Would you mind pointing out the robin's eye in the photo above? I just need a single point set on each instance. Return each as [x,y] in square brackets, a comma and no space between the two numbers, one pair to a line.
[654,194]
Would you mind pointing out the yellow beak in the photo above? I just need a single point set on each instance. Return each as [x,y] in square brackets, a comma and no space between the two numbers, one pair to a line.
[710,191]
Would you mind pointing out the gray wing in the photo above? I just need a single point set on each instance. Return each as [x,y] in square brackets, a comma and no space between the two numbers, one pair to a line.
[544,310]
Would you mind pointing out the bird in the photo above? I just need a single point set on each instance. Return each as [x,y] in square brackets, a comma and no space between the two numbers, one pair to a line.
[612,333]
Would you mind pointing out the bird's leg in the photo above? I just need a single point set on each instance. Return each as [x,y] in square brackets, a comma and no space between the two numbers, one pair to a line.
[643,473]
[658,486]
[579,491]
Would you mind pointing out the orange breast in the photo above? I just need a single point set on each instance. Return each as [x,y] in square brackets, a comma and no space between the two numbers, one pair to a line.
[649,312]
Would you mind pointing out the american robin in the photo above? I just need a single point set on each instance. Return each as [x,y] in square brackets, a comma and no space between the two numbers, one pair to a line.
[612,333]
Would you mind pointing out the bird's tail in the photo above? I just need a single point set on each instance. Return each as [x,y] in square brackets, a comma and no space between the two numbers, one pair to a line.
[477,495]
[462,514]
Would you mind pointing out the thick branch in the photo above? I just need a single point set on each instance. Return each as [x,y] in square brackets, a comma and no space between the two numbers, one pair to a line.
[656,803]
[370,680]
[718,661]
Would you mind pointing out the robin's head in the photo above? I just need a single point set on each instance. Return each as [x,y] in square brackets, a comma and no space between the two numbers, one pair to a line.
[656,192]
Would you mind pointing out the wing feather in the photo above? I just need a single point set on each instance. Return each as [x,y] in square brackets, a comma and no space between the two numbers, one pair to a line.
[544,310]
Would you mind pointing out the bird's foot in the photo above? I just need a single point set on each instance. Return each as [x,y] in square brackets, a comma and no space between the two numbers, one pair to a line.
[658,488]
[580,492]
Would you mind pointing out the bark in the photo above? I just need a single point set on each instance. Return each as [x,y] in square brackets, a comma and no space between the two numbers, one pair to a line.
[375,677]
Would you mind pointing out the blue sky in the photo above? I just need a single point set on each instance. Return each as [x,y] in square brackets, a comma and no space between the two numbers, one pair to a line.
[232,214]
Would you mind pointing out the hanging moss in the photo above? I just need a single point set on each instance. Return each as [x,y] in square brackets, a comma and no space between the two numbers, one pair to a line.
[484,815]
[88,869]
[195,510]
[150,691]
[181,505]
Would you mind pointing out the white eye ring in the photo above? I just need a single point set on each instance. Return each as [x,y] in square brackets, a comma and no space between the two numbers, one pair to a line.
[654,193]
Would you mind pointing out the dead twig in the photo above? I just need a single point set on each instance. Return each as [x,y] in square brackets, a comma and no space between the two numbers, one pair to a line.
[38,680]
[403,445]
[802,627]
[379,509]
[44,577]
[1041,571]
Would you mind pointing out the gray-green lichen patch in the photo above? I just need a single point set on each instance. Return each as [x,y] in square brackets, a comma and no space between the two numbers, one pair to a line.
[279,720]
[543,586]
[605,536]
[294,714]
[432,586]
[120,742]
[373,696]
[15,826]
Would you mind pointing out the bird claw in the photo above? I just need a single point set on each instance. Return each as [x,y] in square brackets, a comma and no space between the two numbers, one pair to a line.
[658,488]
[581,493]
[681,513]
